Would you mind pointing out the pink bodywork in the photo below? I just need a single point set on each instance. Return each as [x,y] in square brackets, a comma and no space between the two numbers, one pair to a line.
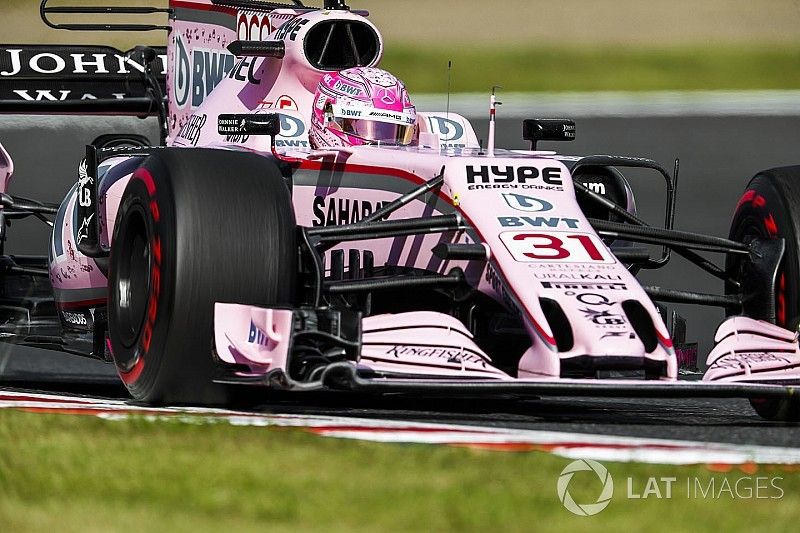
[521,205]
[433,344]
[253,337]
[750,350]
[371,176]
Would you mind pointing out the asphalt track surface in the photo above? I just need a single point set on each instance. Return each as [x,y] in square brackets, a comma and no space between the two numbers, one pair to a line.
[718,155]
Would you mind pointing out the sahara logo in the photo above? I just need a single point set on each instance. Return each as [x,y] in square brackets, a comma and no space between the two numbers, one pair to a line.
[585,509]
[522,202]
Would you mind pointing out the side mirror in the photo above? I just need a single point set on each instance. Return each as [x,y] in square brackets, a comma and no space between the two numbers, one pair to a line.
[260,124]
[548,129]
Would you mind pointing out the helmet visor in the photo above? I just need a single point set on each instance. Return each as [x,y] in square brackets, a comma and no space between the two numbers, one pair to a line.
[376,131]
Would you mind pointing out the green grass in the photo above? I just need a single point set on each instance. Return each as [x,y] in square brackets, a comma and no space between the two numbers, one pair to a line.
[598,69]
[66,473]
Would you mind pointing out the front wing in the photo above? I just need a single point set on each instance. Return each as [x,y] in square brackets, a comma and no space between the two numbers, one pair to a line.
[425,353]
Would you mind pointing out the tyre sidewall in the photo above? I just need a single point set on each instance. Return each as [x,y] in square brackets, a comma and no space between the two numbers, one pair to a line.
[224,228]
[140,366]
[767,210]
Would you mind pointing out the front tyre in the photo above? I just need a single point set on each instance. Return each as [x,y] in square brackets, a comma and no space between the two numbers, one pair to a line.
[770,209]
[194,227]
[777,410]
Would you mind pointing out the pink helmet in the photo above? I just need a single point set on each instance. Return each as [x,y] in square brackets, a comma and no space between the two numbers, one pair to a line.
[361,105]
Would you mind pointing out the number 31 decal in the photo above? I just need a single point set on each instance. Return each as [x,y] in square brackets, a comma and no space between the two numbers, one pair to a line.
[557,246]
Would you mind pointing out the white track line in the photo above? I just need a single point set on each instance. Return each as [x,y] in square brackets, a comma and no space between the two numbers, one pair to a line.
[570,445]
[620,104]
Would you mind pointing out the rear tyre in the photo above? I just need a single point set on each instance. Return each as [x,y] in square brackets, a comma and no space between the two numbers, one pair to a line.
[770,208]
[194,227]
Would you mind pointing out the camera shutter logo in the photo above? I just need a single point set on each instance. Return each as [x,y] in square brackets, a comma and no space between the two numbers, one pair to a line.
[585,509]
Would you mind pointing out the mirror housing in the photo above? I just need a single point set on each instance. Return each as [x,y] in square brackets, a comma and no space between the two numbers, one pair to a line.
[548,129]
[250,124]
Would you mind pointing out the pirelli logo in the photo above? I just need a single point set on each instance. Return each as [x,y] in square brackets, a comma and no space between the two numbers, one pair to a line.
[585,286]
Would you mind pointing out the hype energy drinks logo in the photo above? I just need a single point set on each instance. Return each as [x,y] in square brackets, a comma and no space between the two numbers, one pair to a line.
[198,73]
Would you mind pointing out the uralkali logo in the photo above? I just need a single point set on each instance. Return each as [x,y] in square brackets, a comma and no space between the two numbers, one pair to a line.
[585,509]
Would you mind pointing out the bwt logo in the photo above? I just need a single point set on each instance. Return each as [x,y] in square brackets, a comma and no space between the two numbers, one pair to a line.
[522,202]
[347,88]
[538,222]
[198,77]
[447,130]
[291,129]
[291,126]
[585,509]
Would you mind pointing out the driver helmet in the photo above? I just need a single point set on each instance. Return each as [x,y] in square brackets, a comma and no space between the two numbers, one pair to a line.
[361,105]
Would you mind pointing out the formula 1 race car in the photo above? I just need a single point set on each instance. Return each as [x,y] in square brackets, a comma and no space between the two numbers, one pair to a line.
[236,253]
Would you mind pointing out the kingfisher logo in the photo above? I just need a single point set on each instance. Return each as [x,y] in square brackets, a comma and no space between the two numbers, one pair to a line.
[522,202]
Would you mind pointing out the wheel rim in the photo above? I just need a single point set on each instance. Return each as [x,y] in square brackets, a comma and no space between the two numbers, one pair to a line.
[132,287]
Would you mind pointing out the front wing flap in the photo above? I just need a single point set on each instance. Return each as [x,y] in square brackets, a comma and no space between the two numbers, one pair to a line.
[429,356]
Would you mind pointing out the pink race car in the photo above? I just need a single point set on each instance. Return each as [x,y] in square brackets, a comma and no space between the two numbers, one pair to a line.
[302,227]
